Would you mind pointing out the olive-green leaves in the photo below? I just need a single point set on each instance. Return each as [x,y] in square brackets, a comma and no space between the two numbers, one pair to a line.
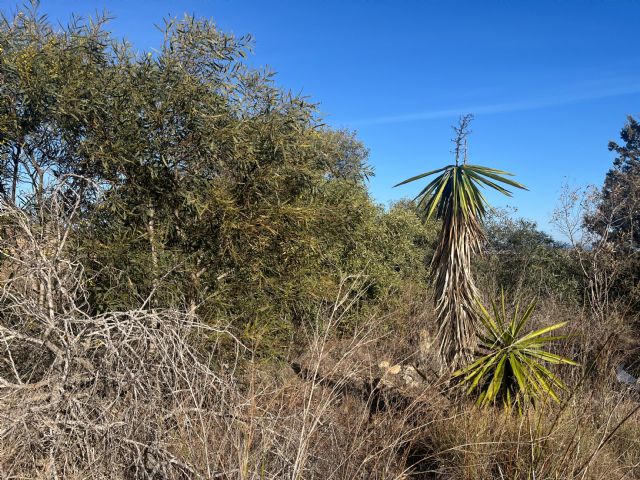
[511,367]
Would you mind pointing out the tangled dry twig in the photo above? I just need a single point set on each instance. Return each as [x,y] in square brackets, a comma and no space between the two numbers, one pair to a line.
[82,394]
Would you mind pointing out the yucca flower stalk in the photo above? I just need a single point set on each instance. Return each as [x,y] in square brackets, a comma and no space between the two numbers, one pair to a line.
[454,197]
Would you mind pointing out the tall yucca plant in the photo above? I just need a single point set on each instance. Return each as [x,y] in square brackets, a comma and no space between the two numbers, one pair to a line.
[454,197]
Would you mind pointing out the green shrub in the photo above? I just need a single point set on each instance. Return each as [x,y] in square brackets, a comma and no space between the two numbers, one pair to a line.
[525,261]
[204,185]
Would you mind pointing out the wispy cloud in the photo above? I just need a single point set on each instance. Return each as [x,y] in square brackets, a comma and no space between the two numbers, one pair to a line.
[576,95]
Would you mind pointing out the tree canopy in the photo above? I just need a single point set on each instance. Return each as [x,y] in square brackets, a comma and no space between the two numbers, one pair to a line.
[203,184]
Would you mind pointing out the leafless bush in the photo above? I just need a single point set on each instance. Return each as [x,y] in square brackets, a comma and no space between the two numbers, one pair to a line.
[599,267]
[87,395]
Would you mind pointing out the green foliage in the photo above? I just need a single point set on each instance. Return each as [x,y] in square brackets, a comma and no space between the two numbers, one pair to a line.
[204,186]
[457,189]
[511,367]
[621,192]
[46,96]
[525,261]
[616,221]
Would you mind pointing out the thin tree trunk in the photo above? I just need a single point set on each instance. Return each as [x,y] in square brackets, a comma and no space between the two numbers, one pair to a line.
[16,171]
[196,290]
[151,233]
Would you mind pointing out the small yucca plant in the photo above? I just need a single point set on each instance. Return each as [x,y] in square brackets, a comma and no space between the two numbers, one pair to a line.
[511,366]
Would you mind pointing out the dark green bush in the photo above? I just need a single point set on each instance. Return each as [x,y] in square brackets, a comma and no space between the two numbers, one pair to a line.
[526,261]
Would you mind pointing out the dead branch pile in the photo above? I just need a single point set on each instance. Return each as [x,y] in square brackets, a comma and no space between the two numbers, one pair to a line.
[88,395]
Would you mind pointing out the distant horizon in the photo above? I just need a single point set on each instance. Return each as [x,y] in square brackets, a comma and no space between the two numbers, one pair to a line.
[550,84]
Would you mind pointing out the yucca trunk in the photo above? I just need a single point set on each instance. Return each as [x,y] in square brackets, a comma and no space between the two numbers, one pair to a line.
[455,292]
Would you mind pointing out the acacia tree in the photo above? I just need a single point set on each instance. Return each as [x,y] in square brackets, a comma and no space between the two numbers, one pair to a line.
[48,85]
[454,197]
[203,185]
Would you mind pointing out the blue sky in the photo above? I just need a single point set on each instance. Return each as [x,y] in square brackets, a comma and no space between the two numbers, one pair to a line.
[550,82]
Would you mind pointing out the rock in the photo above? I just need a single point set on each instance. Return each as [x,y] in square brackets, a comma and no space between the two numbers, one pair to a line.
[394,370]
[625,377]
